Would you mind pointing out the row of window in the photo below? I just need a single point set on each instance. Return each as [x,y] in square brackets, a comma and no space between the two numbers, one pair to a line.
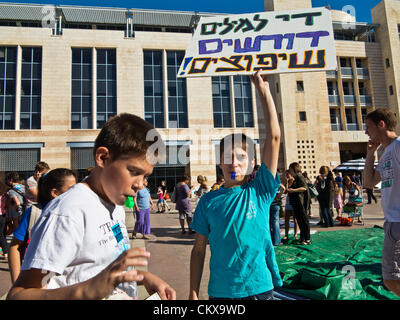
[105,82]
[351,119]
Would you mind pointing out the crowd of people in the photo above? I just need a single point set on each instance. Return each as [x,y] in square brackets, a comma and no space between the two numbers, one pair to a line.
[72,237]
[297,192]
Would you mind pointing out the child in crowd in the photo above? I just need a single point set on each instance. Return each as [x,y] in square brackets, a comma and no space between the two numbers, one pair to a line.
[80,246]
[235,218]
[17,200]
[31,184]
[163,196]
[337,199]
[289,210]
[3,219]
[50,186]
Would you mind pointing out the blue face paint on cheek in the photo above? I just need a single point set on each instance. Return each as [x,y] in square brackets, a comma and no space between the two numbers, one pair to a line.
[233,175]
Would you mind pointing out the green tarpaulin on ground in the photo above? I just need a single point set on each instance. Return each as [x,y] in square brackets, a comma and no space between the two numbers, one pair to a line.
[338,265]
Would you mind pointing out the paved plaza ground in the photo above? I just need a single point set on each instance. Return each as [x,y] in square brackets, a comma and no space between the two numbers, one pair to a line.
[170,250]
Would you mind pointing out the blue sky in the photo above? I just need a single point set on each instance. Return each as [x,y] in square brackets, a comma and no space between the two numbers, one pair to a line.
[362,7]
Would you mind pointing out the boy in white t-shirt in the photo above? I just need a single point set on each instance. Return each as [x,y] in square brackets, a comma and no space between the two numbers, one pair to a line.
[31,184]
[80,246]
[380,127]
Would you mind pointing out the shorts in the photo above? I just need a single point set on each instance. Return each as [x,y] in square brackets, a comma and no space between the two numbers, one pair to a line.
[337,202]
[268,295]
[288,206]
[185,214]
[391,251]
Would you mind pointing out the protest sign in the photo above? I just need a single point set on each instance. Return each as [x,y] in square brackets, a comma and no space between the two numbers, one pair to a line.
[275,41]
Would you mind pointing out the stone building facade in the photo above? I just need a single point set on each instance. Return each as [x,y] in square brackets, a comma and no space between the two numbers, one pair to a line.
[65,69]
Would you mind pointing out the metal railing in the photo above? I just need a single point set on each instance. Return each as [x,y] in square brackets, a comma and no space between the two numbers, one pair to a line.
[363,73]
[334,100]
[365,100]
[336,127]
[331,74]
[347,72]
[349,100]
[352,126]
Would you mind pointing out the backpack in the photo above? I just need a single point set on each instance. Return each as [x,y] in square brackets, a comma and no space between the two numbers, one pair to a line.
[173,195]
[24,199]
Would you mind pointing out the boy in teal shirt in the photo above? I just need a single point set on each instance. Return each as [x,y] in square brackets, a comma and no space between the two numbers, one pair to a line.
[235,218]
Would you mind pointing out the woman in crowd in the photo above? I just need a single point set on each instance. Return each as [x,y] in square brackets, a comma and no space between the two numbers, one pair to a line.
[324,186]
[143,203]
[203,188]
[183,205]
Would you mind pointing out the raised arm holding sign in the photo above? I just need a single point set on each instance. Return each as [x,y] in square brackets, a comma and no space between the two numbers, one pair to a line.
[277,42]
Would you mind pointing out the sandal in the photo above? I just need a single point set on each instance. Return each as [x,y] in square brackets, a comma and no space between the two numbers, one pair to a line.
[306,243]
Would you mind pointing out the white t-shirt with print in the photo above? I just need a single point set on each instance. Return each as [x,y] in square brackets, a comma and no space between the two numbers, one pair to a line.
[74,240]
[389,169]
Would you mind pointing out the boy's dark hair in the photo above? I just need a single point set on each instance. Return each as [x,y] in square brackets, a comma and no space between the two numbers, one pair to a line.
[12,176]
[237,139]
[41,166]
[126,135]
[52,180]
[295,166]
[229,142]
[385,115]
[185,178]
[220,178]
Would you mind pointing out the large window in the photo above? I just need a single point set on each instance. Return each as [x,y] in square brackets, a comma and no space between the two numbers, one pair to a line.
[351,119]
[81,100]
[31,88]
[173,168]
[20,157]
[153,88]
[8,71]
[243,102]
[336,119]
[177,100]
[81,159]
[221,102]
[106,85]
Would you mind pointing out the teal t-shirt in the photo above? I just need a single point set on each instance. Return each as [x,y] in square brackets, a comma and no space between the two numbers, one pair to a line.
[236,222]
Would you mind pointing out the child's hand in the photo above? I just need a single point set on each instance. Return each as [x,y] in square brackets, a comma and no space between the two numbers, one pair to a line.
[153,284]
[117,272]
[260,82]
